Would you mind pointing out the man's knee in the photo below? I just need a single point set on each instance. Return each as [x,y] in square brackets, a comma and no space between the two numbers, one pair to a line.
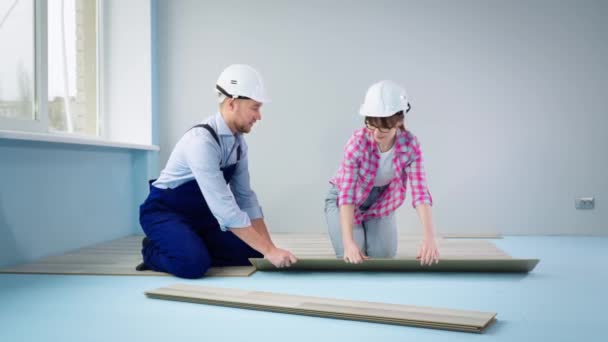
[192,266]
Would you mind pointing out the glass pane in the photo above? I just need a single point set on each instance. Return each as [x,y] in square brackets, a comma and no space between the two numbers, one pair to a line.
[17,41]
[72,61]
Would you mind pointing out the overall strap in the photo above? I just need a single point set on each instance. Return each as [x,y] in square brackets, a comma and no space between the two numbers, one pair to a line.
[217,139]
[211,130]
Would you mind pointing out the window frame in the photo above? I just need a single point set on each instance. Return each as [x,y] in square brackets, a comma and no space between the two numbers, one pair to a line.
[126,108]
[40,123]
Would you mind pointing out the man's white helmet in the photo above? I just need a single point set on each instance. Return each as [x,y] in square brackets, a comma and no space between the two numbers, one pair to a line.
[240,81]
[384,99]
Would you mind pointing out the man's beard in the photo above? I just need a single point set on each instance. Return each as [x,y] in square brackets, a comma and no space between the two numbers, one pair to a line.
[245,128]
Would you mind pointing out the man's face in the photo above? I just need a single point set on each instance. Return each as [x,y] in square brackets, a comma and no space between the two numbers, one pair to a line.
[247,112]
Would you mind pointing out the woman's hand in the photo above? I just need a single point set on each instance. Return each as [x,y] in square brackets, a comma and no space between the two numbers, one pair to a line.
[428,253]
[352,253]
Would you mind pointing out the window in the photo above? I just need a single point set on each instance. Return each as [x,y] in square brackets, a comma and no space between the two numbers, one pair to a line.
[17,60]
[77,71]
[49,66]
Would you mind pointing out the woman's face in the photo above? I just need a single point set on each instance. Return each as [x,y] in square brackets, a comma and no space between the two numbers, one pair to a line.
[383,135]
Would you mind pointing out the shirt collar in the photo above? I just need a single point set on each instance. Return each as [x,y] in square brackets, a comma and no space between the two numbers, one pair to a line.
[222,127]
[400,144]
[401,140]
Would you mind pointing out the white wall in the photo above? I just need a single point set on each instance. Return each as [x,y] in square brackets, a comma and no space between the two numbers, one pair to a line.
[127,81]
[509,101]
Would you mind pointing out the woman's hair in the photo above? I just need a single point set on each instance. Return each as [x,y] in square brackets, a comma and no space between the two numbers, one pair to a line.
[386,122]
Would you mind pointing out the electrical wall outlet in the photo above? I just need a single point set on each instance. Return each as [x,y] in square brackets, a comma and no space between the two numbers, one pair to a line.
[584,203]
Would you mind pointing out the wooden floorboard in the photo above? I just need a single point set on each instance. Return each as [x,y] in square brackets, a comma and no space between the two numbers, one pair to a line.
[426,317]
[306,245]
[119,257]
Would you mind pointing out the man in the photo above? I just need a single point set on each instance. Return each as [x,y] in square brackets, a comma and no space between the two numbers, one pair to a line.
[201,211]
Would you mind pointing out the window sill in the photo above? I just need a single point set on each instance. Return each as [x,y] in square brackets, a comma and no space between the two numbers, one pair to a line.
[73,139]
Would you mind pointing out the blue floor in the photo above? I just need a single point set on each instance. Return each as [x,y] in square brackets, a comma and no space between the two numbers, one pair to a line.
[563,299]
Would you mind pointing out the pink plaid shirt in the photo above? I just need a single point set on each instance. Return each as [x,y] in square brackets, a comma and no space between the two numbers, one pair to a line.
[355,177]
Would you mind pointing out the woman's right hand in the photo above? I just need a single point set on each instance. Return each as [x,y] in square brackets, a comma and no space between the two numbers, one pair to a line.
[352,253]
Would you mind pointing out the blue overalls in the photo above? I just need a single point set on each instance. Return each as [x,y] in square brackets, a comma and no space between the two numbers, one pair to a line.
[184,238]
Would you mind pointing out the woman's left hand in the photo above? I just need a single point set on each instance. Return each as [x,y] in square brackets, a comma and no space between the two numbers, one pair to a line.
[428,253]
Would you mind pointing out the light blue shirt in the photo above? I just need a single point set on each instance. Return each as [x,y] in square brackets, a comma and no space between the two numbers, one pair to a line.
[197,155]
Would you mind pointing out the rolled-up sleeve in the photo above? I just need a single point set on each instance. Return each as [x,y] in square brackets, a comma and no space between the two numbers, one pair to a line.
[203,157]
[417,178]
[241,187]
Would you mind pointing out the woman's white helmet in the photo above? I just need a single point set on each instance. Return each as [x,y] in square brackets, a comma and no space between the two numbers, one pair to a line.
[384,99]
[240,81]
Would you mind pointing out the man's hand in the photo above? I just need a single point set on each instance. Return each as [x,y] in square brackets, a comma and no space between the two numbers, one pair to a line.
[258,238]
[280,258]
[352,253]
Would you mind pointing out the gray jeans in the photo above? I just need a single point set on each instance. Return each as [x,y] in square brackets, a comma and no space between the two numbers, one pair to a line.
[375,237]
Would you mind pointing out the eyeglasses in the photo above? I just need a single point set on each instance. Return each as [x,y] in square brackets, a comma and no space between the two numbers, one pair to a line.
[380,129]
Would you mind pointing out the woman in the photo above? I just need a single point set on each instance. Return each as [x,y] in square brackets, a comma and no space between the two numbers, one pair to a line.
[371,182]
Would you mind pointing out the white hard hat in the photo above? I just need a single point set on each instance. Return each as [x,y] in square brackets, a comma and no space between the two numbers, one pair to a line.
[384,99]
[240,81]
